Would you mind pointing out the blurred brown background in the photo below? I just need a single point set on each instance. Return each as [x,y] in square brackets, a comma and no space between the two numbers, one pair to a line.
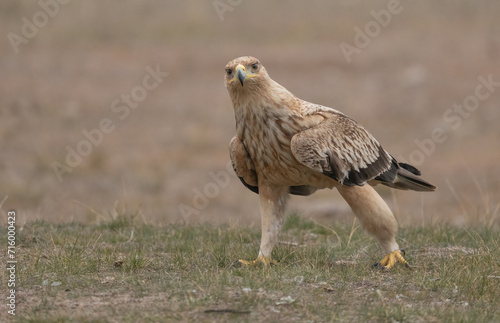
[61,78]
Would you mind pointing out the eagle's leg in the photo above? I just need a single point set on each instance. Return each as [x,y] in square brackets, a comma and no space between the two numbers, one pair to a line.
[376,218]
[272,205]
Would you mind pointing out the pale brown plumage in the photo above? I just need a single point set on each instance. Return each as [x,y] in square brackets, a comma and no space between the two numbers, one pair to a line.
[284,145]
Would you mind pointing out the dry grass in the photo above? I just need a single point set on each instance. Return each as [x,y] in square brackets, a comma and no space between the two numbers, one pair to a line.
[125,271]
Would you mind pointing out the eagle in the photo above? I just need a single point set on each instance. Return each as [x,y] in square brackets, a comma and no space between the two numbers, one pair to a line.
[284,145]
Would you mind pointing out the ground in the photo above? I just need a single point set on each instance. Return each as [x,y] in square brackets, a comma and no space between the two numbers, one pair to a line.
[125,271]
[82,136]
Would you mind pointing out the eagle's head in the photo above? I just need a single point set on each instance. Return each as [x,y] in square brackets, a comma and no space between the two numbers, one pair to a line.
[247,82]
[245,73]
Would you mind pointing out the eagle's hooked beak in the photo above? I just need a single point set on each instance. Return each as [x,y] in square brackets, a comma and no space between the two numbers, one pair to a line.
[241,73]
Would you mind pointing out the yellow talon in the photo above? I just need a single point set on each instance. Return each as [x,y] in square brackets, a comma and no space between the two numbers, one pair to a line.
[260,261]
[391,259]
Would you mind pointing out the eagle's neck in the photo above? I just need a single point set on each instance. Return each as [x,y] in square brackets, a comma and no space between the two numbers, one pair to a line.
[264,111]
[266,99]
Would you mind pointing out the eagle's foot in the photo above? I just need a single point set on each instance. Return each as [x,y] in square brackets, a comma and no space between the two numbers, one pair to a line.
[391,259]
[260,261]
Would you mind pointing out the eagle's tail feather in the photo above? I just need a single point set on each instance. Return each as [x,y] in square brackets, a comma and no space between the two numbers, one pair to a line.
[405,177]
[407,181]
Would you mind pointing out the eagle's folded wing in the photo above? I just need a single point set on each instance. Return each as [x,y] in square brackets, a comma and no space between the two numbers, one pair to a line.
[343,150]
[243,165]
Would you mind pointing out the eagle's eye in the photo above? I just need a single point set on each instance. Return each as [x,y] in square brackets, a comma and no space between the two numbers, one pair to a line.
[255,66]
[229,71]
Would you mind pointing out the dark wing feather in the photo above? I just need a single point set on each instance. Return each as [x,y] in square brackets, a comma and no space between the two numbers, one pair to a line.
[302,190]
[252,188]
